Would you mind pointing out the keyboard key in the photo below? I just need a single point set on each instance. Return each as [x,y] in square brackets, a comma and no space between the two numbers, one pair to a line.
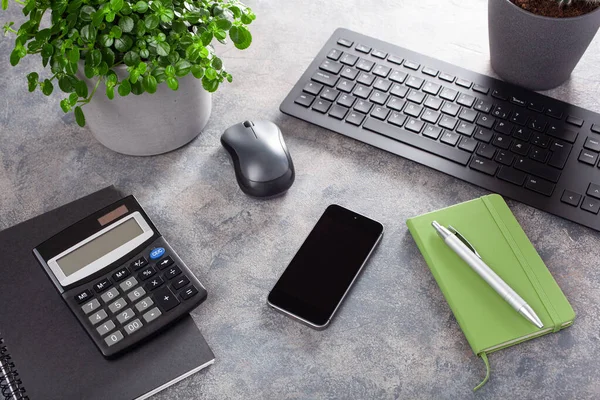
[349,59]
[504,127]
[366,79]
[512,175]
[414,82]
[397,119]
[365,65]
[431,88]
[483,106]
[346,100]
[483,135]
[486,121]
[430,71]
[334,54]
[420,142]
[467,115]
[110,295]
[481,89]
[519,118]
[380,113]
[152,315]
[537,123]
[413,110]
[502,141]
[468,144]
[499,94]
[165,262]
[325,79]
[147,302]
[588,157]
[172,272]
[398,76]
[416,97]
[128,284]
[566,134]
[363,106]
[592,144]
[379,97]
[554,113]
[411,65]
[83,296]
[304,100]
[330,94]
[117,305]
[165,298]
[448,94]
[312,88]
[136,294]
[363,49]
[345,42]
[345,86]
[539,185]
[90,306]
[560,154]
[522,134]
[97,317]
[432,132]
[381,70]
[570,198]
[189,293]
[105,328]
[430,116]
[540,140]
[338,112]
[349,73]
[355,118]
[574,121]
[450,109]
[501,112]
[465,128]
[113,339]
[379,54]
[395,103]
[399,90]
[596,128]
[331,66]
[483,165]
[433,102]
[518,101]
[447,77]
[593,190]
[465,100]
[520,148]
[180,282]
[448,122]
[414,125]
[591,205]
[382,84]
[395,59]
[535,106]
[450,138]
[362,91]
[535,168]
[101,286]
[486,150]
[538,154]
[321,106]
[133,326]
[464,83]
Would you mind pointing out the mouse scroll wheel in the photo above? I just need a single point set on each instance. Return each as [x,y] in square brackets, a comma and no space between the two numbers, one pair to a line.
[248,124]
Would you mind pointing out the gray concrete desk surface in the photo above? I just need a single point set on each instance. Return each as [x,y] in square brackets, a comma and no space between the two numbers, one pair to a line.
[395,336]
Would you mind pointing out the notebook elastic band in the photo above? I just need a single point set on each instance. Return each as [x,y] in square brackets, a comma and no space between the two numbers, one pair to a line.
[487,371]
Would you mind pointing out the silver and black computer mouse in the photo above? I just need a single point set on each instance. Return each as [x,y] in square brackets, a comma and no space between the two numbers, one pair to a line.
[262,163]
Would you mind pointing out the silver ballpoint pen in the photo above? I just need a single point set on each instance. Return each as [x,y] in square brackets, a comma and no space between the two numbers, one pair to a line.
[467,252]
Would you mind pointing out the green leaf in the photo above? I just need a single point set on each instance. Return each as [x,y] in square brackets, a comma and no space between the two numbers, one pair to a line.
[4,4]
[47,50]
[197,71]
[210,85]
[170,71]
[182,68]
[116,5]
[47,87]
[32,81]
[236,34]
[159,74]
[73,99]
[217,63]
[43,35]
[140,7]
[93,58]
[163,49]
[126,24]
[86,13]
[89,71]
[116,32]
[172,83]
[108,56]
[81,89]
[65,84]
[179,27]
[88,33]
[74,5]
[150,83]
[103,68]
[98,18]
[247,39]
[131,58]
[71,68]
[223,24]
[64,104]
[137,88]
[110,92]
[124,88]
[151,21]
[144,53]
[167,15]
[79,117]
[110,16]
[124,43]
[210,73]
[246,19]
[15,57]
[206,38]
[134,76]
[106,40]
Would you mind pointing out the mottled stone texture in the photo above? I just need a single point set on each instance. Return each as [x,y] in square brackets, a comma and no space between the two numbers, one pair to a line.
[395,336]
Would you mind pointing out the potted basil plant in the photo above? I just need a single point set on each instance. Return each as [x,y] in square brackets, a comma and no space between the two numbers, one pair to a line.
[538,43]
[141,73]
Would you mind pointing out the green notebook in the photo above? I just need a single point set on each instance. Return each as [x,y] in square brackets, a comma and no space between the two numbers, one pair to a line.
[488,322]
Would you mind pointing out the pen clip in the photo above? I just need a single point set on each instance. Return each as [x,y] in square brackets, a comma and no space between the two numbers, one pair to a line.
[464,240]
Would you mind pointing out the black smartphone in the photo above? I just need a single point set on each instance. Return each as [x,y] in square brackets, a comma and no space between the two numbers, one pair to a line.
[321,273]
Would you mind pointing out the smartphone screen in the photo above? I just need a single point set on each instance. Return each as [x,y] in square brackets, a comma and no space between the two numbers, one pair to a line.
[322,271]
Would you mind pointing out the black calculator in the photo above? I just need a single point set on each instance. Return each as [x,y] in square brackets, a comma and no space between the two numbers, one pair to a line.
[119,276]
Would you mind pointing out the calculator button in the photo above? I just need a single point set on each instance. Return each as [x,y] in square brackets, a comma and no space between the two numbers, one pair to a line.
[154,283]
[180,282]
[105,327]
[99,316]
[102,285]
[120,274]
[144,304]
[110,295]
[114,338]
[165,298]
[128,284]
[125,316]
[189,292]
[83,296]
[172,272]
[136,294]
[165,262]
[139,263]
[117,305]
[91,306]
[133,326]
[146,273]
[157,253]
[152,314]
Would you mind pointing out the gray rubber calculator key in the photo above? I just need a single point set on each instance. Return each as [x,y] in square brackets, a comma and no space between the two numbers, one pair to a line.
[152,314]
[91,306]
[114,338]
[105,327]
[110,295]
[128,284]
[99,316]
[136,294]
[144,304]
[117,305]
[125,316]
[133,326]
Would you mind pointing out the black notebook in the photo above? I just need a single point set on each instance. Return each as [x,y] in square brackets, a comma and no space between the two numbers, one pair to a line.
[44,351]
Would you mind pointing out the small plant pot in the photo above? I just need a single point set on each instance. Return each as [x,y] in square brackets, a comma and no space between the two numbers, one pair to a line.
[148,124]
[533,51]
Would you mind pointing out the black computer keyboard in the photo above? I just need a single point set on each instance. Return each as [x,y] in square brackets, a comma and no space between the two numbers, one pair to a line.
[518,143]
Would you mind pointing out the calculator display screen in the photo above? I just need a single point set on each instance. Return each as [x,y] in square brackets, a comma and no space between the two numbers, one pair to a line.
[100,246]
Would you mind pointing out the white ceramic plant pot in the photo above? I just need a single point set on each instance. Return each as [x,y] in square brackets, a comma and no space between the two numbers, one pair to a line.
[148,124]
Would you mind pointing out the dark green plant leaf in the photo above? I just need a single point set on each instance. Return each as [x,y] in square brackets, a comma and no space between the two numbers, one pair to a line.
[73,99]
[89,71]
[93,58]
[116,32]
[223,24]
[170,71]
[79,117]
[47,87]
[134,75]
[43,35]
[126,24]
[103,68]
[210,85]
[174,57]
[150,83]
[131,58]
[206,38]
[32,81]
[197,71]
[140,7]
[14,57]
[65,84]
[110,92]
[71,68]
[159,74]
[179,27]
[98,18]
[151,21]
[172,83]
[124,43]
[108,56]
[88,33]
[220,35]
[236,11]
[47,50]
[163,49]
[144,53]
[124,88]
[137,88]
[86,13]
[116,5]
[182,68]
[217,63]
[210,73]
[81,89]
[247,39]
[74,5]
[64,104]
[236,34]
